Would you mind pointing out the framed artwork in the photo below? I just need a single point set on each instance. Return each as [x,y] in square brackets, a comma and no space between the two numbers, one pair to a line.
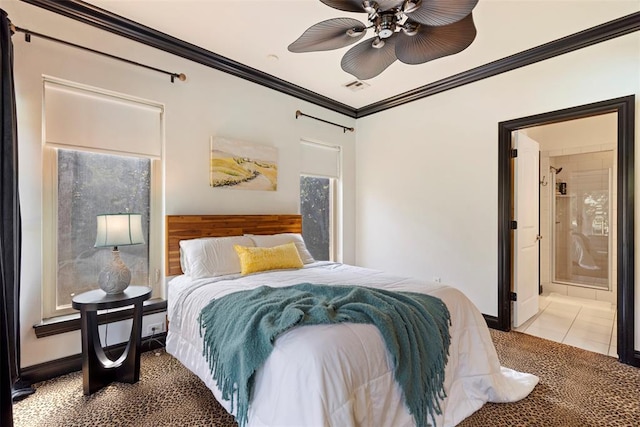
[243,165]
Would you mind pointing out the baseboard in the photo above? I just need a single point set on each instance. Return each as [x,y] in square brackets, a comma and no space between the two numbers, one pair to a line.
[55,368]
[492,321]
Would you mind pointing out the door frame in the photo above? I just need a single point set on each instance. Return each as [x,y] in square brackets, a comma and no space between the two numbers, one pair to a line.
[625,108]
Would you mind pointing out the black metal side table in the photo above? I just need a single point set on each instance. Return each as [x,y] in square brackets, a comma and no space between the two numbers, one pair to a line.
[98,370]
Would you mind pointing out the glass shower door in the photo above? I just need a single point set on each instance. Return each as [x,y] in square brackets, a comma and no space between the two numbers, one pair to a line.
[581,230]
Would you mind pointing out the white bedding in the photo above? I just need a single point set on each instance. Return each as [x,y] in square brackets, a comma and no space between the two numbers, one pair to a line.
[340,375]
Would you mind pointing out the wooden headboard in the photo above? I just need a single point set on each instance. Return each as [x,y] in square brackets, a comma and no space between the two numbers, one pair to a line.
[182,227]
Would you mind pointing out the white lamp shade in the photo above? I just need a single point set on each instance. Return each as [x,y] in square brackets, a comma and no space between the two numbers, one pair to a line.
[120,229]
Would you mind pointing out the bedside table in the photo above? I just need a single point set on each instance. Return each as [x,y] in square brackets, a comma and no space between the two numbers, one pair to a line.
[98,370]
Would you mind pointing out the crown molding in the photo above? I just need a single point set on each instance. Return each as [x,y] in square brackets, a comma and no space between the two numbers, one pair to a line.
[100,18]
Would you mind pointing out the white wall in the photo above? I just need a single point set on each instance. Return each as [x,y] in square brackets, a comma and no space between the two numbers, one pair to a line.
[427,197]
[208,103]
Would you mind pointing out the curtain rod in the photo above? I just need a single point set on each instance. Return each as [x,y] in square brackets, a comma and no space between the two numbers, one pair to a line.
[344,128]
[29,33]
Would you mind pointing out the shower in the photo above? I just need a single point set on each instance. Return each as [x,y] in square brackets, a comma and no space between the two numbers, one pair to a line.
[580,220]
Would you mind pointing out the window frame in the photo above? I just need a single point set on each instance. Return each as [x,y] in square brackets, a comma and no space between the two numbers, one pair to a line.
[335,203]
[152,149]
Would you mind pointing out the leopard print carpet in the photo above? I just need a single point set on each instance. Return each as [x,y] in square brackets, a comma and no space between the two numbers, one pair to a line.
[166,395]
[577,388]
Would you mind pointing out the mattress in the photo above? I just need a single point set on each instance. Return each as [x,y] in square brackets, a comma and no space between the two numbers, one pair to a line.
[341,375]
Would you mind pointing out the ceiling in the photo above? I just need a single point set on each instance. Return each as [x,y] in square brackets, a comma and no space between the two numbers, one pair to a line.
[256,33]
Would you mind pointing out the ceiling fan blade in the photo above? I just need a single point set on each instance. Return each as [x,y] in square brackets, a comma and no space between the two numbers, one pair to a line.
[328,35]
[357,5]
[346,5]
[442,12]
[365,61]
[435,42]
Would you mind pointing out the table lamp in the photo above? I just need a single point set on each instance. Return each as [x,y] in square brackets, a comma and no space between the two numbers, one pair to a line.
[121,229]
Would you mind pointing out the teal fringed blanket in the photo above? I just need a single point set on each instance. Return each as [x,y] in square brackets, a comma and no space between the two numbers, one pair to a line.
[239,330]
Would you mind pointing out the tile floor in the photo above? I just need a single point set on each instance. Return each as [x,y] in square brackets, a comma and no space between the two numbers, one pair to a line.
[583,323]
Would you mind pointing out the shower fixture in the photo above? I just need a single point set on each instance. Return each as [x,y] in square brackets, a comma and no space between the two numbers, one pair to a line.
[556,170]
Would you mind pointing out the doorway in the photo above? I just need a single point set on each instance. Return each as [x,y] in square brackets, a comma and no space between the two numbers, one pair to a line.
[624,281]
[576,226]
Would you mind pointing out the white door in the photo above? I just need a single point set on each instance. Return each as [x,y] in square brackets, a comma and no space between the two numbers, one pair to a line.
[526,241]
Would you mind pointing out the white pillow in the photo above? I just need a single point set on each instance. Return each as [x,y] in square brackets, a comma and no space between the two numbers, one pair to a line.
[211,256]
[271,240]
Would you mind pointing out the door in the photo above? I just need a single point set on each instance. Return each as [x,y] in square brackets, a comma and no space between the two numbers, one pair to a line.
[525,237]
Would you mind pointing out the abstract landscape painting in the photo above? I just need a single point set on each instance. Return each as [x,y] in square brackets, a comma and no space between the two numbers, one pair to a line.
[243,165]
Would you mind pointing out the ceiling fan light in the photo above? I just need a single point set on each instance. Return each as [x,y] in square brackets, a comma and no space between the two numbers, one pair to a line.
[411,6]
[355,32]
[385,33]
[377,43]
[370,7]
[411,28]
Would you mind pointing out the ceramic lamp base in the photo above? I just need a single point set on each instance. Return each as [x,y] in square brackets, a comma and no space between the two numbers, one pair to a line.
[115,277]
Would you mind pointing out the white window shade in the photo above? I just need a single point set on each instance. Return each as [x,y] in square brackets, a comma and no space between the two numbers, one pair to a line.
[319,160]
[81,117]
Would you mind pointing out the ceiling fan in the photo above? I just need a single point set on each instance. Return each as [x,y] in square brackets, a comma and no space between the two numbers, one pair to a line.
[413,31]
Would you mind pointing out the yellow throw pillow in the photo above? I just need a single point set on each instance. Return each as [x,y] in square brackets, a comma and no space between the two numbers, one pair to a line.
[253,260]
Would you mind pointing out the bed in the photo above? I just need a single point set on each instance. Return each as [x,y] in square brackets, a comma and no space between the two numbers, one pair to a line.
[326,375]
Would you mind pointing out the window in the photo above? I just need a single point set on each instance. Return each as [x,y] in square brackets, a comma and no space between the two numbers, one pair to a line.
[90,184]
[102,154]
[319,180]
[84,185]
[316,202]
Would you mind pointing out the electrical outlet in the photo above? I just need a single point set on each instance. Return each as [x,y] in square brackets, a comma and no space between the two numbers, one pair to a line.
[155,328]
[437,279]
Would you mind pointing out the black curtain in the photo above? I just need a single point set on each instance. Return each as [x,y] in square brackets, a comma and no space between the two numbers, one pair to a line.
[7,355]
[10,236]
[6,403]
